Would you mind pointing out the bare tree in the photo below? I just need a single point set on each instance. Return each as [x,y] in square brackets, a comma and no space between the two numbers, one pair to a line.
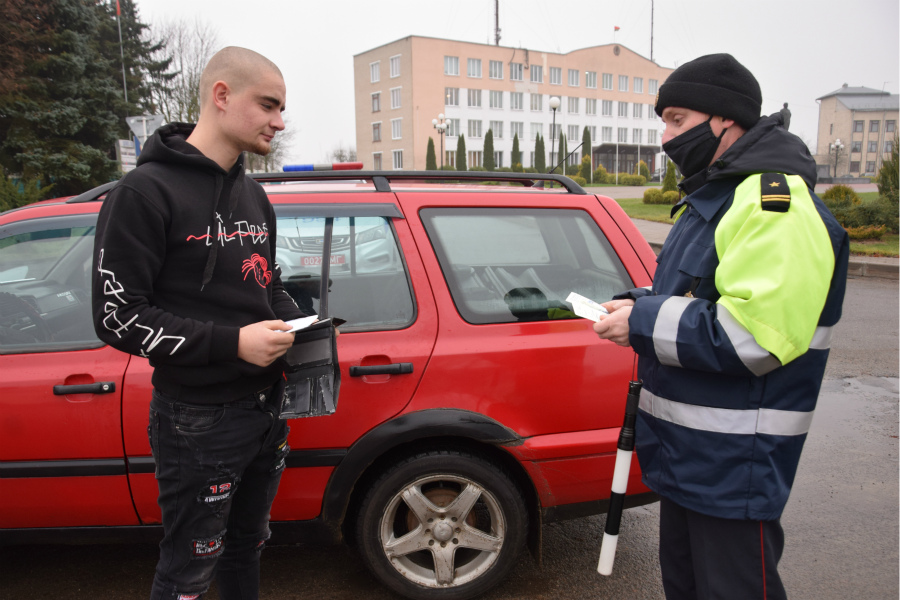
[191,45]
[280,147]
[341,154]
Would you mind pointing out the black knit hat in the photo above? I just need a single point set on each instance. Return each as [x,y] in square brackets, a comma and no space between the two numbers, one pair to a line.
[715,84]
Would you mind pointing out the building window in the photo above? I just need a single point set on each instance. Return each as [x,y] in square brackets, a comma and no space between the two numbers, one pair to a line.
[496,99]
[395,97]
[573,77]
[497,129]
[573,132]
[590,79]
[573,105]
[638,85]
[475,98]
[536,128]
[451,96]
[452,127]
[623,135]
[607,81]
[590,106]
[474,68]
[637,111]
[476,158]
[854,166]
[623,83]
[858,126]
[531,157]
[537,74]
[636,136]
[498,159]
[375,72]
[652,86]
[651,111]
[517,128]
[555,76]
[870,166]
[516,101]
[376,161]
[593,129]
[496,69]
[450,158]
[474,128]
[398,159]
[396,129]
[555,129]
[537,101]
[451,65]
[890,126]
[395,66]
[856,147]
[376,102]
[651,136]
[873,147]
[623,109]
[515,71]
[888,147]
[376,132]
[607,134]
[607,108]
[874,126]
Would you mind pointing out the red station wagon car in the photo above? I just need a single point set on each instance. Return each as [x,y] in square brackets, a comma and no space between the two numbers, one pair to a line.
[474,406]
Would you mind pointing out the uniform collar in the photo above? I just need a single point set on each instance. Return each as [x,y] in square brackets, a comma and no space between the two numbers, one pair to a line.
[710,198]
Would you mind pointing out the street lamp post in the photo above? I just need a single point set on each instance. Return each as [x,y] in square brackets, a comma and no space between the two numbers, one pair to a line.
[836,148]
[554,104]
[441,125]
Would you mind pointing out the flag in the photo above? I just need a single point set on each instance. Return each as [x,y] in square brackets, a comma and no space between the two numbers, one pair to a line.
[616,27]
[119,10]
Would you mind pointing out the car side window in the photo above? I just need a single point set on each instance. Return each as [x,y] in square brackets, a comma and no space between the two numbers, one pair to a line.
[45,285]
[505,265]
[368,282]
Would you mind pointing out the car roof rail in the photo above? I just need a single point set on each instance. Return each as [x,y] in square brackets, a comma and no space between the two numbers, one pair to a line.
[382,179]
[93,194]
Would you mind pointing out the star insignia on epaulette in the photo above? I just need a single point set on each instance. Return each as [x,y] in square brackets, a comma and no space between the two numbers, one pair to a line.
[774,184]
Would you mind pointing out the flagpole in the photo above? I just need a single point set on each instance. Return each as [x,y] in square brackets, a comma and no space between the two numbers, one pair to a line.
[121,49]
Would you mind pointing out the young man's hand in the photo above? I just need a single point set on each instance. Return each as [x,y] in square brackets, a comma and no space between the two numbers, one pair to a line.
[262,343]
[614,327]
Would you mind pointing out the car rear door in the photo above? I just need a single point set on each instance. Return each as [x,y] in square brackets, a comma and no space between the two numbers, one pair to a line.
[61,456]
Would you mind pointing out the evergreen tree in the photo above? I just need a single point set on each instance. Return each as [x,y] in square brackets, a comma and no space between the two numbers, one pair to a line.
[669,182]
[430,160]
[889,175]
[461,153]
[516,154]
[489,151]
[561,152]
[540,157]
[587,152]
[60,126]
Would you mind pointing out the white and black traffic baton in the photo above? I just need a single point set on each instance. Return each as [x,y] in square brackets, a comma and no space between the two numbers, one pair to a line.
[620,481]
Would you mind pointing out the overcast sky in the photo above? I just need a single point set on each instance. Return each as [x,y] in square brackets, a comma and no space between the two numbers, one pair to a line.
[799,50]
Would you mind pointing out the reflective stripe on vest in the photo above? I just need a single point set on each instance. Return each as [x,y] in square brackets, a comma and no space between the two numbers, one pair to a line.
[665,330]
[757,359]
[822,338]
[726,420]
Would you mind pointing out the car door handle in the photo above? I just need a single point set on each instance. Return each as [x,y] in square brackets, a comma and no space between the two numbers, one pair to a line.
[101,387]
[391,369]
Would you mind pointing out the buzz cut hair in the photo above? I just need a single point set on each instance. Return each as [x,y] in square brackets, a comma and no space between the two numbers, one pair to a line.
[235,66]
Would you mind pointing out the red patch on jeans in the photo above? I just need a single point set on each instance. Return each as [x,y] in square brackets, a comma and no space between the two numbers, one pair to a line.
[208,548]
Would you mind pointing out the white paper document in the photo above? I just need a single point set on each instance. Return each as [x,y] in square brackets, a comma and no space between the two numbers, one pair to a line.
[585,307]
[301,323]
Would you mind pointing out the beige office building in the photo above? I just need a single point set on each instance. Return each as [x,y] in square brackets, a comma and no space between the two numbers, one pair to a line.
[401,87]
[857,126]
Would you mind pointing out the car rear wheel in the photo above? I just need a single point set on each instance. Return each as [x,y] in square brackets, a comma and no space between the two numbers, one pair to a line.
[443,525]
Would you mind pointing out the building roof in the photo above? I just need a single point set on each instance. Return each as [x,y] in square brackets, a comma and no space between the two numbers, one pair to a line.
[846,90]
[871,103]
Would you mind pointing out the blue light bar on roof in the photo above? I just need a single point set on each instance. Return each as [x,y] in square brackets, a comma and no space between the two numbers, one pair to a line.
[347,166]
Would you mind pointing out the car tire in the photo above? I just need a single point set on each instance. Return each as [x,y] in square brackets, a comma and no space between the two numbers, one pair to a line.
[442,525]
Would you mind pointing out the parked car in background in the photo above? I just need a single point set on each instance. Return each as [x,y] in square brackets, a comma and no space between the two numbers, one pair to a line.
[474,405]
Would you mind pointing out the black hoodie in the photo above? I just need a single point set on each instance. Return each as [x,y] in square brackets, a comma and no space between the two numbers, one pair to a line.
[184,257]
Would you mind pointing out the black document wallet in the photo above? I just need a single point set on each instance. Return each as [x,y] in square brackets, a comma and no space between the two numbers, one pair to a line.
[313,376]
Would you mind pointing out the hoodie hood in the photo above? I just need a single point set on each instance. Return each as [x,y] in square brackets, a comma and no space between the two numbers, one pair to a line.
[766,148]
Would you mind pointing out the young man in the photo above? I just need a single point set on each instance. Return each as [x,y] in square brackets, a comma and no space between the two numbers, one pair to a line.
[185,274]
[733,337]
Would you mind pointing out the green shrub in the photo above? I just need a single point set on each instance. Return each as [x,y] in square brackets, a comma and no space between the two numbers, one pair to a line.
[15,192]
[672,197]
[448,168]
[579,180]
[870,232]
[628,179]
[600,175]
[889,175]
[572,169]
[517,168]
[584,170]
[878,213]
[504,170]
[477,168]
[653,196]
[642,169]
[840,196]
[670,184]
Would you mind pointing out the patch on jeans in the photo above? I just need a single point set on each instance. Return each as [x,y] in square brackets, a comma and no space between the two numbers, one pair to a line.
[188,597]
[280,456]
[217,491]
[208,548]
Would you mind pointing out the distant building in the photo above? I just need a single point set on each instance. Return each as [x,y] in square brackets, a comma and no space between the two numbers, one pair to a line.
[401,86]
[865,122]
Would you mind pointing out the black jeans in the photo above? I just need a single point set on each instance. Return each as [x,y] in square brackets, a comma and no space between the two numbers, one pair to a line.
[708,558]
[218,468]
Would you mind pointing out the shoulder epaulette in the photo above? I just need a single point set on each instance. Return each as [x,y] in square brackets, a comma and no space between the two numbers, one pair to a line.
[775,195]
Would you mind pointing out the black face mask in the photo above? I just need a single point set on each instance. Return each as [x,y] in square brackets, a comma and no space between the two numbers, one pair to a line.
[694,149]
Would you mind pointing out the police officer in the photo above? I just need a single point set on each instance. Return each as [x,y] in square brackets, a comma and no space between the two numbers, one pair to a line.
[733,336]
